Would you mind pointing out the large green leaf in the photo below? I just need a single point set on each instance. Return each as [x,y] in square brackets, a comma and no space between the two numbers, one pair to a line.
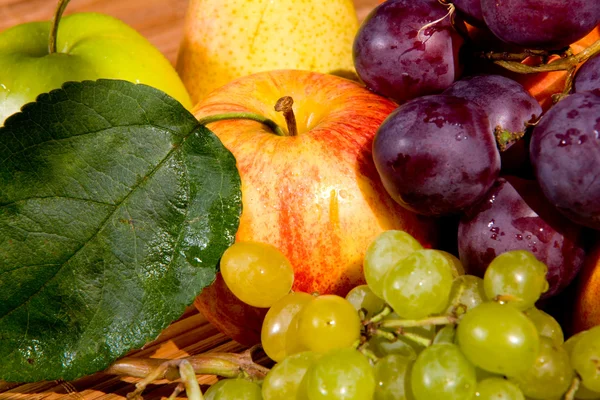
[115,207]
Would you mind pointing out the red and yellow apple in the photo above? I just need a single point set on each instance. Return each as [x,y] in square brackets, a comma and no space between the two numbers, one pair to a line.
[316,195]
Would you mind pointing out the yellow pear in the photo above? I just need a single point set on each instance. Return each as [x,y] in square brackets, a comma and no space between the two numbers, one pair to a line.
[227,39]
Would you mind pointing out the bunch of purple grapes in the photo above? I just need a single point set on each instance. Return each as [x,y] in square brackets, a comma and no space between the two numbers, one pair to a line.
[453,143]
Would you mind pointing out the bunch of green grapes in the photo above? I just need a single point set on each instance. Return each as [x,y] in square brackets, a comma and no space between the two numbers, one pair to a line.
[419,329]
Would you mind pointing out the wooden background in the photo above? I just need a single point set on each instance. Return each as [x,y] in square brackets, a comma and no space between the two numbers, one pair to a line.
[161,21]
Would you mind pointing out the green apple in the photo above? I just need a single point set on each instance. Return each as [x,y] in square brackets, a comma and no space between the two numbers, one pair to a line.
[88,46]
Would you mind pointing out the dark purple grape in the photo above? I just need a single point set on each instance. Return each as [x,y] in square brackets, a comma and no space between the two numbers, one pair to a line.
[541,24]
[588,76]
[508,105]
[436,155]
[509,108]
[407,48]
[516,216]
[471,11]
[565,154]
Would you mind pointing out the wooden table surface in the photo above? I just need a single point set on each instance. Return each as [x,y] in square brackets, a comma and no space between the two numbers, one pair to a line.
[161,21]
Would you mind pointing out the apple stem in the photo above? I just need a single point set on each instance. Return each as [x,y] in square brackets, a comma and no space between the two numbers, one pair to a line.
[243,115]
[60,9]
[284,105]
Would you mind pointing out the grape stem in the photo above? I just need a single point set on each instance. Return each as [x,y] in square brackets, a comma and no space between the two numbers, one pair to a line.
[560,64]
[393,336]
[570,395]
[451,11]
[567,62]
[506,56]
[227,365]
[387,310]
[368,353]
[410,323]
[189,381]
[414,337]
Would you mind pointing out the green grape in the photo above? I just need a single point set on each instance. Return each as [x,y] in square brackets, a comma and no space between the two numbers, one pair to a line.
[466,293]
[283,380]
[498,338]
[582,393]
[498,389]
[383,253]
[569,344]
[233,389]
[441,371]
[447,334]
[328,322]
[517,277]
[419,285]
[551,374]
[256,273]
[482,374]
[392,378]
[381,347]
[545,324]
[274,334]
[362,297]
[585,358]
[457,267]
[342,374]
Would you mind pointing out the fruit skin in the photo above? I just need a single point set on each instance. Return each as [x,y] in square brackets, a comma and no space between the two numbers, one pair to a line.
[547,24]
[586,313]
[419,152]
[317,196]
[515,216]
[399,55]
[257,273]
[588,76]
[569,132]
[227,39]
[89,46]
